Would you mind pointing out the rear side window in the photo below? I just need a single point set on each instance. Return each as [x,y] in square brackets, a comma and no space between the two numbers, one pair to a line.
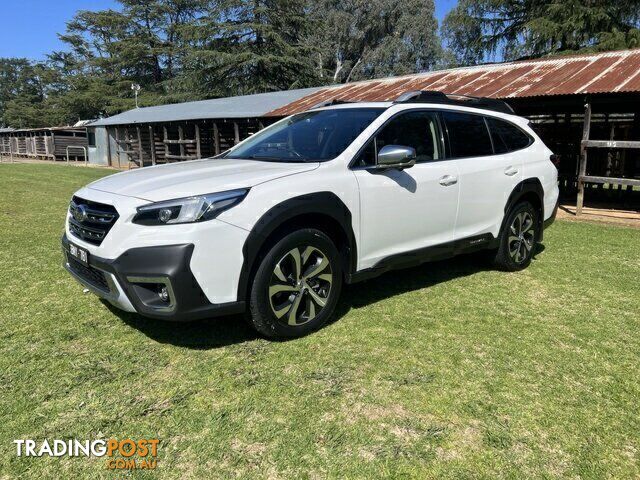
[468,135]
[506,136]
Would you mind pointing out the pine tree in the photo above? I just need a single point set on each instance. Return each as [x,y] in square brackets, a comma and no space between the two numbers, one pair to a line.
[244,47]
[481,30]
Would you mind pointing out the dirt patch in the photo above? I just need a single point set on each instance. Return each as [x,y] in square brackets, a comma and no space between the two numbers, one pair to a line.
[626,218]
[463,441]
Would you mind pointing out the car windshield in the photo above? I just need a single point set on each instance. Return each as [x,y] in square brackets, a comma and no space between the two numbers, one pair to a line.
[308,137]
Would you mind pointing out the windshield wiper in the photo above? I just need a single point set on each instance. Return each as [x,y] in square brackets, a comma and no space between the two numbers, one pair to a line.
[276,159]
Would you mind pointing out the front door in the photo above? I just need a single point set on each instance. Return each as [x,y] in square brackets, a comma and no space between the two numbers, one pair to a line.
[406,210]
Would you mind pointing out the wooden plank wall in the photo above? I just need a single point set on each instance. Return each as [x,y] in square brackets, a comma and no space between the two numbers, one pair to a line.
[44,144]
[63,139]
[158,143]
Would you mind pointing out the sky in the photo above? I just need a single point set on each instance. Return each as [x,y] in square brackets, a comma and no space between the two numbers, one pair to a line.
[30,27]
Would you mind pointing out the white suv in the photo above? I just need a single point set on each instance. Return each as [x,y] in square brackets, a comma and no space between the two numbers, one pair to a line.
[340,193]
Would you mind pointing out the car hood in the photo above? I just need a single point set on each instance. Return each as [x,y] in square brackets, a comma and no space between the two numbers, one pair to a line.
[185,179]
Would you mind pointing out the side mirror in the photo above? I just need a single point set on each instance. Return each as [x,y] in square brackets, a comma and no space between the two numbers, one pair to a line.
[396,156]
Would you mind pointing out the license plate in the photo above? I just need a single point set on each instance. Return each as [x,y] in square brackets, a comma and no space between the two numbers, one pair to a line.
[79,254]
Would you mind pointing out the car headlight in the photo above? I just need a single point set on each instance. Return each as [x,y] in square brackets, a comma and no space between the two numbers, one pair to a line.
[189,210]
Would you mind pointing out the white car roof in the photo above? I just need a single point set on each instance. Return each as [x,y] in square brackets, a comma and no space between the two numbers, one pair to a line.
[439,106]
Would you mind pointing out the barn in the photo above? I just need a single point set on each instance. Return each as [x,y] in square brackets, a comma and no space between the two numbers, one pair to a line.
[51,143]
[585,107]
[184,131]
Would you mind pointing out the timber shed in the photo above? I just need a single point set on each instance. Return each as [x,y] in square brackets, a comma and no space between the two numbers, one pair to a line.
[53,143]
[184,131]
[585,107]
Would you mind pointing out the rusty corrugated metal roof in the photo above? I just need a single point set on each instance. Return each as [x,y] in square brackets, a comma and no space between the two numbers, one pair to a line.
[607,72]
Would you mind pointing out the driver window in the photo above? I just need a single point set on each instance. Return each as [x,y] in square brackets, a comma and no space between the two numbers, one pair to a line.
[412,129]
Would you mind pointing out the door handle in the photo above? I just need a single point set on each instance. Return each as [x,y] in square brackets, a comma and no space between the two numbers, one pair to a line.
[510,170]
[448,180]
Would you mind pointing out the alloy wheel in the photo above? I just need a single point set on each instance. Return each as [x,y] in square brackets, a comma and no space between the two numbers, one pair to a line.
[521,237]
[300,285]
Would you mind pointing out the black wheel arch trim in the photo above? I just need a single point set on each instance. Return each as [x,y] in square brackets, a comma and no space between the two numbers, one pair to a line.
[327,204]
[525,188]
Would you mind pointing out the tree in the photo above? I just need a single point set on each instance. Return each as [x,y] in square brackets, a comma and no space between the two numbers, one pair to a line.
[242,47]
[24,90]
[179,50]
[17,78]
[361,39]
[479,30]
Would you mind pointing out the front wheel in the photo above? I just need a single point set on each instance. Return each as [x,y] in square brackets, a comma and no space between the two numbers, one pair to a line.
[297,285]
[519,238]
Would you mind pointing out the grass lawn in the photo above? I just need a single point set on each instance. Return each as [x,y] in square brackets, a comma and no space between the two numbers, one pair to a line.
[448,370]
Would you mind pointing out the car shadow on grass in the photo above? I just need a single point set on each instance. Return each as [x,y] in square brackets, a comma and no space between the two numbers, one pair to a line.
[415,278]
[223,331]
[198,335]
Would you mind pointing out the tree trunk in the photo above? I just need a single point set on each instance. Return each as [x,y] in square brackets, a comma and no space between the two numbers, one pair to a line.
[352,69]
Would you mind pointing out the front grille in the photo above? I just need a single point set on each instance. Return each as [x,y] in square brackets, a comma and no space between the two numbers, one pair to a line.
[91,221]
[89,274]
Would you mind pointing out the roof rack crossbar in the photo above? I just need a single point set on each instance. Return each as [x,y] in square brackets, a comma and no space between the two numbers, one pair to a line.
[329,103]
[433,96]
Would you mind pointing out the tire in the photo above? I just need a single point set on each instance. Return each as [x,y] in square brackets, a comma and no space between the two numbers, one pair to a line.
[289,301]
[518,238]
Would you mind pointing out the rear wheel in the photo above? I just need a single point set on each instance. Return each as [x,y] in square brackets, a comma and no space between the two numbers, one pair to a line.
[519,238]
[296,286]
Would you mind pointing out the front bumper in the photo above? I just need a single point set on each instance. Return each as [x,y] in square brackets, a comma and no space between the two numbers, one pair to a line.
[131,282]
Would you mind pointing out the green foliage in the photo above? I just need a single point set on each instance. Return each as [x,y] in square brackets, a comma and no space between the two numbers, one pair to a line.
[241,47]
[20,86]
[179,50]
[476,31]
[362,39]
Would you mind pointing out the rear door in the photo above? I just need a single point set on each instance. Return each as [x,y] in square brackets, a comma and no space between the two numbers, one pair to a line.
[488,172]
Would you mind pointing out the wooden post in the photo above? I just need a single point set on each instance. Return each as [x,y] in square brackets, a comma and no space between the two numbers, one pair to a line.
[118,146]
[140,157]
[236,131]
[216,139]
[166,145]
[46,146]
[198,151]
[106,130]
[128,146]
[582,171]
[153,145]
[181,138]
[633,133]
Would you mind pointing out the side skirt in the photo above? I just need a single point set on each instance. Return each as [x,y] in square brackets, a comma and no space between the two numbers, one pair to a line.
[423,255]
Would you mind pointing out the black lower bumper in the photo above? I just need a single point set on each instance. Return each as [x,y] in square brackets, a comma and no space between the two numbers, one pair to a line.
[141,272]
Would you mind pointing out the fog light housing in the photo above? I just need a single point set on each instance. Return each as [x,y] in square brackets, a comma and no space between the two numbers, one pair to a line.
[155,293]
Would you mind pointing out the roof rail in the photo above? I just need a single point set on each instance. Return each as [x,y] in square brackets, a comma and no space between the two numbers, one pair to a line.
[432,96]
[329,103]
